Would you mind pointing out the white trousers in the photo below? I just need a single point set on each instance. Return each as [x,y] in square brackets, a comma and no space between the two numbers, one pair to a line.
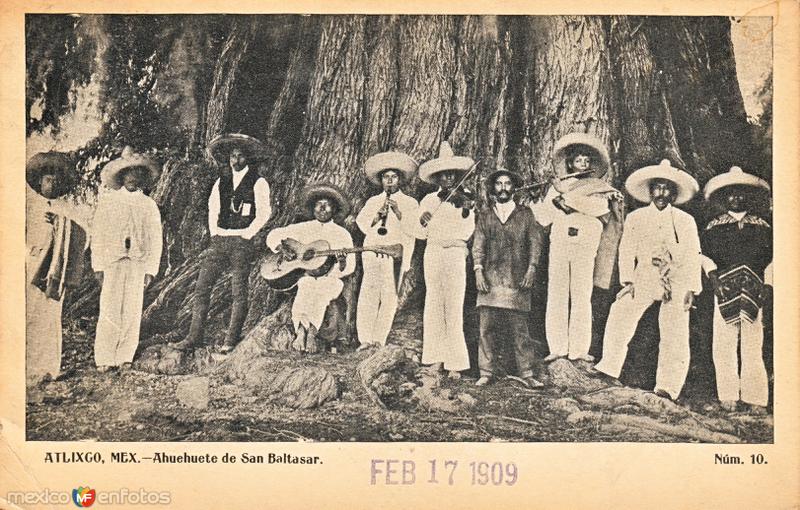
[443,317]
[673,347]
[751,384]
[570,279]
[312,299]
[377,299]
[121,300]
[42,335]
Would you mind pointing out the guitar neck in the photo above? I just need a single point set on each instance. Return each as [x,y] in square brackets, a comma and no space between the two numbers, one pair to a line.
[357,249]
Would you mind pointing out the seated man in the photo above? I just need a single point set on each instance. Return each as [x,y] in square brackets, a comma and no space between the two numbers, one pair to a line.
[315,313]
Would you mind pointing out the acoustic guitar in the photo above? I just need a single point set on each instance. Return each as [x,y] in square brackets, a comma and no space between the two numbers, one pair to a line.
[313,259]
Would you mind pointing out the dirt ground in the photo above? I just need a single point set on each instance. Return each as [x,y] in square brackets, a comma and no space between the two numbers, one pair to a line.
[140,406]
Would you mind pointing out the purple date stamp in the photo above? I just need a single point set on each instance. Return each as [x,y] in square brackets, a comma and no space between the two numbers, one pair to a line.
[436,471]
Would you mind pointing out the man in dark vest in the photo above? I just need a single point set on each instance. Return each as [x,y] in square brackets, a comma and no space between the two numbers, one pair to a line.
[238,207]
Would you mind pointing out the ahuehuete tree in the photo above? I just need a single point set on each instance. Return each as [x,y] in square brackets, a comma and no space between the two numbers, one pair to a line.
[326,92]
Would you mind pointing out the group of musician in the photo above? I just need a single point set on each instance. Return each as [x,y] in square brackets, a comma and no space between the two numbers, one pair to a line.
[656,253]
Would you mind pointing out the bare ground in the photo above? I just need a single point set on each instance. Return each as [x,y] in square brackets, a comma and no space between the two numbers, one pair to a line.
[140,406]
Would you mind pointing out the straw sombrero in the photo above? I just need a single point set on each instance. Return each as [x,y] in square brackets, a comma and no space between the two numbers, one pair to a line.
[221,146]
[733,177]
[53,162]
[110,174]
[389,160]
[445,161]
[314,192]
[518,181]
[638,183]
[600,159]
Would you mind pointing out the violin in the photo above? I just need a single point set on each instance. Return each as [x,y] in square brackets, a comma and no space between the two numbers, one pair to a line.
[464,199]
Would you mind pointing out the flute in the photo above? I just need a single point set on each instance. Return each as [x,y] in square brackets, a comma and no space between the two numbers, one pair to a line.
[543,183]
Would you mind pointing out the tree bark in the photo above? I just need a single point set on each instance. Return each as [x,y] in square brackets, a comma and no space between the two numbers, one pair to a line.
[501,89]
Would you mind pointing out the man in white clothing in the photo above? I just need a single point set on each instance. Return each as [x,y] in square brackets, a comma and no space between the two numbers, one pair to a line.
[317,316]
[238,207]
[386,219]
[447,226]
[659,260]
[126,253]
[572,209]
[55,238]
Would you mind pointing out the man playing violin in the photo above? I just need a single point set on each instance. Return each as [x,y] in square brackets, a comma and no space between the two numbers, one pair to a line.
[317,315]
[386,219]
[447,227]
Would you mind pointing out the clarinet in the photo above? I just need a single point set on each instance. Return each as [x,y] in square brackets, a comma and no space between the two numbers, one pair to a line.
[384,216]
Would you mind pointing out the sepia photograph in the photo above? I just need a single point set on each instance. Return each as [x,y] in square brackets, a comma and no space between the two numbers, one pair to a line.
[399,228]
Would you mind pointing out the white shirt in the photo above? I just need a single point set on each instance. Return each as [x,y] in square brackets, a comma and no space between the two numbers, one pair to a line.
[648,233]
[503,211]
[263,207]
[309,231]
[121,215]
[398,231]
[446,224]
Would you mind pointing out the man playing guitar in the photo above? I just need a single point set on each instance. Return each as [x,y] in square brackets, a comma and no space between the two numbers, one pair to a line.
[317,314]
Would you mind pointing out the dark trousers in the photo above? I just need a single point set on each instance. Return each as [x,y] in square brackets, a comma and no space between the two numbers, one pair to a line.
[497,325]
[233,252]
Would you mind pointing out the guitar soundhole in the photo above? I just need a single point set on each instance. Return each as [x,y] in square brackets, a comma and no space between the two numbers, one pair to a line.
[308,255]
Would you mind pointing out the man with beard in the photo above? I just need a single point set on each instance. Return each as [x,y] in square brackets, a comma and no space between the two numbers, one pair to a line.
[386,219]
[737,246]
[239,205]
[506,251]
[447,226]
[576,209]
[56,240]
[317,316]
[659,260]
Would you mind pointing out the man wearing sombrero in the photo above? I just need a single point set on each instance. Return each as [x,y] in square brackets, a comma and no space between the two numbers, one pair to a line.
[573,208]
[659,260]
[316,316]
[506,251]
[238,207]
[126,254]
[737,249]
[387,218]
[446,229]
[56,240]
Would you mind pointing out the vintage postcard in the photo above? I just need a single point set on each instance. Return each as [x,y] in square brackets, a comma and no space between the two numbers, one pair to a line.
[400,255]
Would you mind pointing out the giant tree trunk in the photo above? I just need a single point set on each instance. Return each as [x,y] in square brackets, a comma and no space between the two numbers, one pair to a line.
[329,91]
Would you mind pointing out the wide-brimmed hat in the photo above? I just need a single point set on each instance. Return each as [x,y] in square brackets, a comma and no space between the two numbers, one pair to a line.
[445,161]
[110,174]
[600,159]
[51,162]
[518,181]
[314,192]
[376,164]
[638,183]
[734,177]
[221,146]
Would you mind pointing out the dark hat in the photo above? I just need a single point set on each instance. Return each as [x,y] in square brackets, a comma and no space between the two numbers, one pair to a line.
[51,162]
[518,181]
[221,146]
[314,192]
